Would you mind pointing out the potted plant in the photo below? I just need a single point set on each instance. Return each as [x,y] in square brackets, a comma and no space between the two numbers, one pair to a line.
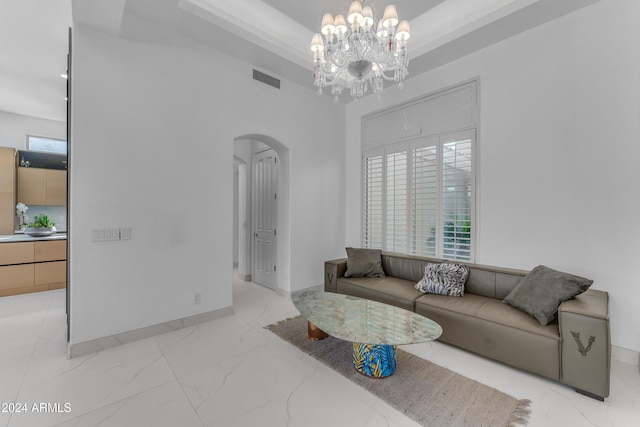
[21,212]
[41,226]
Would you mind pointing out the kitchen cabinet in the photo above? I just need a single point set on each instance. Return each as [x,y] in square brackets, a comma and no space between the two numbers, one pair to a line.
[56,187]
[42,187]
[32,266]
[51,274]
[7,189]
[17,253]
[32,186]
[16,279]
[50,250]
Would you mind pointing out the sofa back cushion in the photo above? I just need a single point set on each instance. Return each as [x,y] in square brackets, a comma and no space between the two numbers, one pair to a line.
[492,282]
[406,266]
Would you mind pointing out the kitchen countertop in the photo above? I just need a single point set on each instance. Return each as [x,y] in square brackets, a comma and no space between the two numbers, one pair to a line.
[12,238]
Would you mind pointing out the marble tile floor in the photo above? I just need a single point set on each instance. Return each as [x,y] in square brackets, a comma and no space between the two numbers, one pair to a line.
[233,372]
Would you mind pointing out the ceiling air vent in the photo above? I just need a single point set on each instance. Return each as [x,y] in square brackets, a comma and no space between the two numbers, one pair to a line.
[266,79]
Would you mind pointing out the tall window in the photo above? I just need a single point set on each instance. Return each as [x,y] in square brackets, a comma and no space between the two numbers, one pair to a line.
[419,196]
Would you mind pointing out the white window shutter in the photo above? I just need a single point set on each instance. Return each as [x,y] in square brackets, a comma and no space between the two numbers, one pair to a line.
[424,194]
[457,206]
[373,201]
[397,199]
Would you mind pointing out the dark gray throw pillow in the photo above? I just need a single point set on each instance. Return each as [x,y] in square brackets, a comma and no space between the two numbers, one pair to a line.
[364,263]
[540,292]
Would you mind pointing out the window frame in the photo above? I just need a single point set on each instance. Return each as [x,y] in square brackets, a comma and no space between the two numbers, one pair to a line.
[62,143]
[409,142]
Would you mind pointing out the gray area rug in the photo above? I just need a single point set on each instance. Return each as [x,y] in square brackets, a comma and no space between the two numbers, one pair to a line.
[425,392]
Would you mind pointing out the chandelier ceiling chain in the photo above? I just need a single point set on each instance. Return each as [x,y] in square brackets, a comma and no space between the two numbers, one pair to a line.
[358,54]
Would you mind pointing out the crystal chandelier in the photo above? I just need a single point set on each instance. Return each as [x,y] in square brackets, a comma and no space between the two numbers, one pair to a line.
[358,54]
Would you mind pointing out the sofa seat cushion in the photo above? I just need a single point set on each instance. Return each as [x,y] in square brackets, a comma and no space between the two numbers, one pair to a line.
[389,290]
[468,304]
[497,311]
[490,328]
[492,310]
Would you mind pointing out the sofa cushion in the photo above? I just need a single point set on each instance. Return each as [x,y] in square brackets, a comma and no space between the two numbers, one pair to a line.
[496,311]
[509,336]
[364,263]
[406,267]
[444,279]
[389,290]
[492,282]
[540,292]
[469,304]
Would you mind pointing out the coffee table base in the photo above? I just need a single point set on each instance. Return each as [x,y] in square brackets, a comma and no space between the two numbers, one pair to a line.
[315,333]
[374,360]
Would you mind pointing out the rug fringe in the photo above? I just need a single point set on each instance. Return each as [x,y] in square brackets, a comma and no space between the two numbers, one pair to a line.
[521,413]
[273,325]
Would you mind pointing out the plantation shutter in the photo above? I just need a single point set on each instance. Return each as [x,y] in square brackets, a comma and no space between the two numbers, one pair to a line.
[424,194]
[373,201]
[397,198]
[457,184]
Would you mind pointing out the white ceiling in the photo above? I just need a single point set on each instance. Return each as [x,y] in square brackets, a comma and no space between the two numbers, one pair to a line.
[311,14]
[272,35]
[33,54]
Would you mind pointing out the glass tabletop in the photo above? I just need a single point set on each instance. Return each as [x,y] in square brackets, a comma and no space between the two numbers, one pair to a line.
[364,321]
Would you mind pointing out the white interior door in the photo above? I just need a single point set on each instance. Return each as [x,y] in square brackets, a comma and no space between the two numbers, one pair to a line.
[265,219]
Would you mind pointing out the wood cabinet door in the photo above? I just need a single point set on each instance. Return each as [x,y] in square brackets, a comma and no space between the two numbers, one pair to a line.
[7,213]
[7,170]
[56,187]
[16,276]
[16,253]
[32,186]
[7,190]
[50,272]
[50,250]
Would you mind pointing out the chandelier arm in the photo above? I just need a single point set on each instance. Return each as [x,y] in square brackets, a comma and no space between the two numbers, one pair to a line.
[337,63]
[388,78]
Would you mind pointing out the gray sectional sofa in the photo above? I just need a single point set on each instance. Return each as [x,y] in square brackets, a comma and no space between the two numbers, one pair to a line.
[574,349]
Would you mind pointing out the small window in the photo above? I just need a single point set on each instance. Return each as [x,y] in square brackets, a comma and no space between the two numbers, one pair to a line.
[48,145]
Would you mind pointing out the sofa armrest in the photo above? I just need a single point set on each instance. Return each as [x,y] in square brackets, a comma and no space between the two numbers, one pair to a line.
[332,270]
[586,343]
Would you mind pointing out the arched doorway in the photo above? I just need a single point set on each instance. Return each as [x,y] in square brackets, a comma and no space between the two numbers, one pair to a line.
[261,215]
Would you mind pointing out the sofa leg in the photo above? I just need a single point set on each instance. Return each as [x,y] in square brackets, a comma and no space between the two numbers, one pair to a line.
[591,395]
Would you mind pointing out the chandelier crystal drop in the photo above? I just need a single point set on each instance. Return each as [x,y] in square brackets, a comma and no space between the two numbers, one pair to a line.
[360,53]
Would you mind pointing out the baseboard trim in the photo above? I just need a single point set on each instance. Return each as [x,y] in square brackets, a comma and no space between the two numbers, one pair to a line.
[243,277]
[283,293]
[88,347]
[625,355]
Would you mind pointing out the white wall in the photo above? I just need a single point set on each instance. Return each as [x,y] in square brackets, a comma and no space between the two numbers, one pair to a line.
[242,157]
[152,144]
[559,154]
[14,129]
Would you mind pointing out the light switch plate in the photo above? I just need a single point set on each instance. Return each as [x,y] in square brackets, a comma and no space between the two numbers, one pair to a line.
[125,233]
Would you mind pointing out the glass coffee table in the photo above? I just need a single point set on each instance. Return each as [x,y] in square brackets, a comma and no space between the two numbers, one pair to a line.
[374,328]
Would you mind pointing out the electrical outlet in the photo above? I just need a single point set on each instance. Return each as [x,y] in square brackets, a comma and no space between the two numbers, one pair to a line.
[196,298]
